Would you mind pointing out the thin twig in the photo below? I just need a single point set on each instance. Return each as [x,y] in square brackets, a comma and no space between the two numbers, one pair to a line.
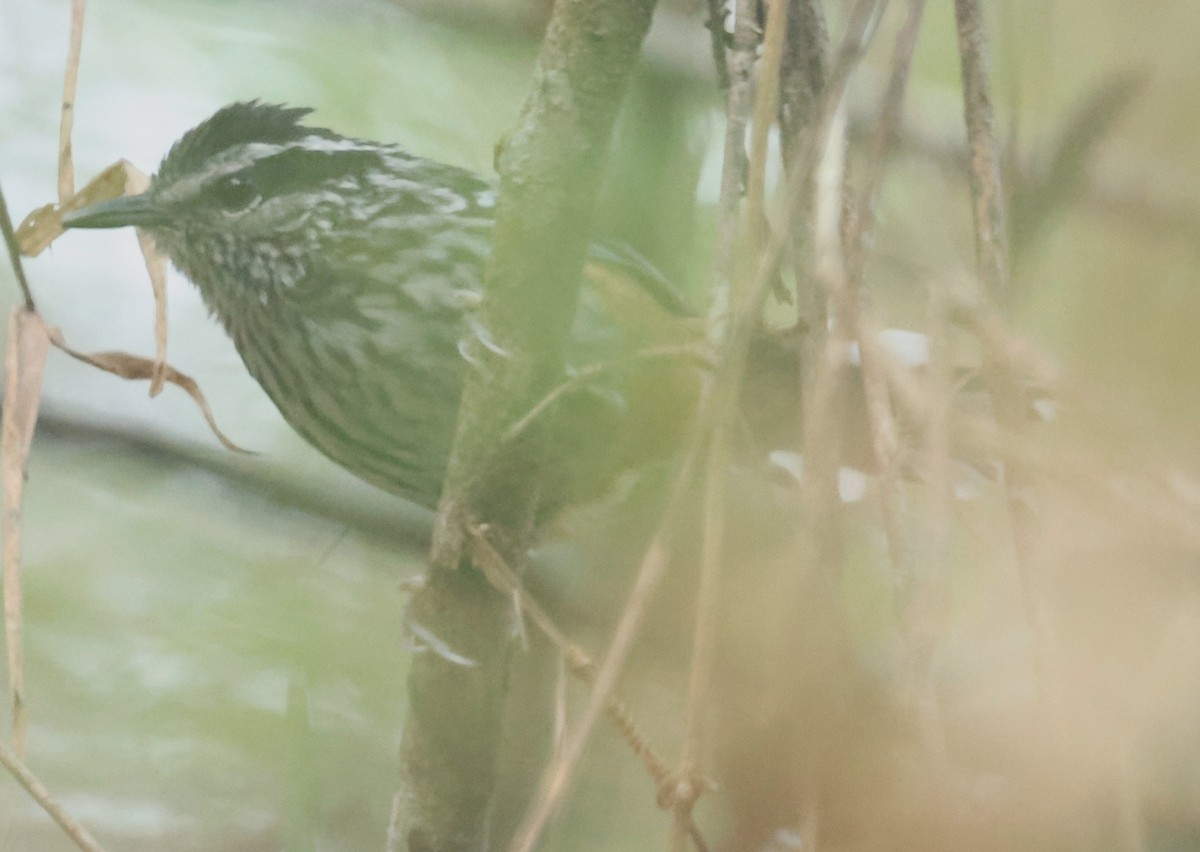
[715,24]
[883,142]
[578,661]
[880,417]
[37,790]
[559,772]
[991,237]
[14,254]
[823,382]
[921,615]
[823,155]
[689,787]
[803,76]
[816,180]
[802,160]
[733,169]
[766,106]
[991,249]
[66,166]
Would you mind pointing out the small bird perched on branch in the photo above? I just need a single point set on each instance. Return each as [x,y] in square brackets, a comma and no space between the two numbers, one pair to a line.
[348,274]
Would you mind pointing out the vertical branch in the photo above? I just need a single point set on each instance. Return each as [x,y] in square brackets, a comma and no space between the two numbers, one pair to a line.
[712,553]
[14,254]
[549,170]
[803,74]
[991,238]
[883,141]
[66,166]
[722,394]
[823,382]
[766,101]
[824,158]
[922,605]
[733,169]
[820,632]
[814,217]
[716,30]
[991,250]
[881,420]
[802,83]
[75,830]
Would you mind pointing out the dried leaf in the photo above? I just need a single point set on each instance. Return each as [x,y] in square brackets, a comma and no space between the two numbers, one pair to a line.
[135,367]
[44,225]
[24,364]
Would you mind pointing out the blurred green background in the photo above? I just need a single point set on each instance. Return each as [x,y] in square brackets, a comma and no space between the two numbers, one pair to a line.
[215,648]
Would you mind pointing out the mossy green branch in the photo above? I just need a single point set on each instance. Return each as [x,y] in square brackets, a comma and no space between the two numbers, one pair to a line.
[550,165]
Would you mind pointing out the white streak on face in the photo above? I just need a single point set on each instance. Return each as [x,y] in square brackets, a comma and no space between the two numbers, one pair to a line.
[321,143]
[222,165]
[239,157]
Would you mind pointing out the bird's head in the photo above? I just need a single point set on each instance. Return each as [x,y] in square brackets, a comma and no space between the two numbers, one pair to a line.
[252,170]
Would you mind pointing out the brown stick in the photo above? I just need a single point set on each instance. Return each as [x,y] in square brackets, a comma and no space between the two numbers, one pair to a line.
[66,165]
[37,790]
[733,169]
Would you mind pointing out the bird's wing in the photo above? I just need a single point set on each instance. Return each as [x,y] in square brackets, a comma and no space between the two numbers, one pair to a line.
[620,257]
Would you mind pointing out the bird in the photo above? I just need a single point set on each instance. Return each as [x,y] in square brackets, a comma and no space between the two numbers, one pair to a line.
[349,275]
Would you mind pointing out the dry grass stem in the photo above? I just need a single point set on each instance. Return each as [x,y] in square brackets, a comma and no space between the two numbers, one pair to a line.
[737,113]
[576,660]
[79,835]
[881,420]
[765,109]
[66,165]
[690,770]
[559,772]
[14,253]
[991,249]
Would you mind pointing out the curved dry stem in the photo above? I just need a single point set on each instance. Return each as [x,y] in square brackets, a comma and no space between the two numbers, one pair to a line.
[79,835]
[66,165]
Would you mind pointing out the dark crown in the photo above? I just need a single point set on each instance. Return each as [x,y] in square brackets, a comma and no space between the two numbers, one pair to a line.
[237,124]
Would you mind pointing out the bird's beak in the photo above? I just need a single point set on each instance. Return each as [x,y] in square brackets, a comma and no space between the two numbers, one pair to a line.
[139,210]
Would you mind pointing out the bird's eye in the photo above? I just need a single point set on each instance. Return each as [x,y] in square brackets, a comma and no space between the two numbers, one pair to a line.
[236,194]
